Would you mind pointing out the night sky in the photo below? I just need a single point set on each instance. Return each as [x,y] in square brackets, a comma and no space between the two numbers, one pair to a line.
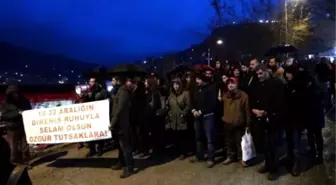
[107,32]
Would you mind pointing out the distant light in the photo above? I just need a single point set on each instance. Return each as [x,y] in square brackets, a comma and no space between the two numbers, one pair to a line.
[72,71]
[21,74]
[19,80]
[77,82]
[192,49]
[59,75]
[328,14]
[154,67]
[266,21]
[26,66]
[261,21]
[79,76]
[233,22]
[61,82]
[6,72]
[190,58]
[219,42]
[310,56]
[332,59]
[210,58]
[145,62]
[16,73]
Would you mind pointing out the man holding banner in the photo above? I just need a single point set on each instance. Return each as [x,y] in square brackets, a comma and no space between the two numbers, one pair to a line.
[121,128]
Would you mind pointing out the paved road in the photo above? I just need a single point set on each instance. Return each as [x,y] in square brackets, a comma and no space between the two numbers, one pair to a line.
[71,168]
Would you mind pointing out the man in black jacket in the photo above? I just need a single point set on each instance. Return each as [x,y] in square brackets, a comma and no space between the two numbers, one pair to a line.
[203,107]
[121,128]
[96,93]
[266,102]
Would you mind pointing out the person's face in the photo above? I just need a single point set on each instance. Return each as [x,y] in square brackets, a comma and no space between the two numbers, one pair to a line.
[261,75]
[236,72]
[129,85]
[114,81]
[232,86]
[199,81]
[224,78]
[208,74]
[92,82]
[272,63]
[289,76]
[244,68]
[218,65]
[188,79]
[176,86]
[253,64]
[289,62]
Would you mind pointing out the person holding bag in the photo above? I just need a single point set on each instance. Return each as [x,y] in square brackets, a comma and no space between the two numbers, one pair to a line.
[236,117]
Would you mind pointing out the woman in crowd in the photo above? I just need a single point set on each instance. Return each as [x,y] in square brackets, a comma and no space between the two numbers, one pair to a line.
[179,111]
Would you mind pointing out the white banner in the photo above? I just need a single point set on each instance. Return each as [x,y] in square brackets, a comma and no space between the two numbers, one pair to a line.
[68,124]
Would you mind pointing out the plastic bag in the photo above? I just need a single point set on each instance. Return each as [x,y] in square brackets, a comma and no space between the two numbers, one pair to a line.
[248,149]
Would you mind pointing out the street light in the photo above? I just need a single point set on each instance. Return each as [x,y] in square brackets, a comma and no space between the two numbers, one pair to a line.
[219,42]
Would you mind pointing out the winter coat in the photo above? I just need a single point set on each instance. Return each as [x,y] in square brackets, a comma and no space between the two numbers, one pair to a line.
[268,95]
[120,123]
[294,110]
[236,108]
[11,109]
[179,110]
[204,99]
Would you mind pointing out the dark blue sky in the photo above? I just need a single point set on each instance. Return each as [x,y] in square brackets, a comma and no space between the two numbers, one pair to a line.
[106,32]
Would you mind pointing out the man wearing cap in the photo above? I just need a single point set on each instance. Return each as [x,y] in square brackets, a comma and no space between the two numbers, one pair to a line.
[203,107]
[236,117]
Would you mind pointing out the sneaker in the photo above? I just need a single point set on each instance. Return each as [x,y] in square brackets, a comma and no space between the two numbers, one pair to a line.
[263,169]
[118,166]
[228,161]
[195,160]
[272,176]
[126,173]
[243,164]
[210,164]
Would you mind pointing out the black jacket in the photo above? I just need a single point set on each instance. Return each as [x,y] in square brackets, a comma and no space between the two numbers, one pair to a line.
[121,108]
[204,99]
[268,96]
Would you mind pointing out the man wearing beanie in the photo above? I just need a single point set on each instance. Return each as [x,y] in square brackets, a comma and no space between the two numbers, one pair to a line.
[203,106]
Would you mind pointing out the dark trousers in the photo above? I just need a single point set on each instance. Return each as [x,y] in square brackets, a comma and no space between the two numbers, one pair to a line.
[19,146]
[180,139]
[233,135]
[99,144]
[315,141]
[205,129]
[270,148]
[125,153]
[257,133]
[293,140]
[157,137]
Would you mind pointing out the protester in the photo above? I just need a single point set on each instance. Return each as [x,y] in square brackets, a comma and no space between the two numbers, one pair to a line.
[121,129]
[266,102]
[236,118]
[203,109]
[11,113]
[179,111]
[277,70]
[96,93]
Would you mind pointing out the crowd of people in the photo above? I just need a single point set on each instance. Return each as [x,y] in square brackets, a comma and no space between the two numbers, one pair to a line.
[207,108]
[200,111]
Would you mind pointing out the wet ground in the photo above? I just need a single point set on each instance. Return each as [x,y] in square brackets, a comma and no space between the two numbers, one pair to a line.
[70,167]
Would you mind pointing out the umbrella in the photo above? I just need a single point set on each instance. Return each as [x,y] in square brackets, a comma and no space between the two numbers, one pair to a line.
[99,72]
[130,69]
[282,49]
[203,67]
